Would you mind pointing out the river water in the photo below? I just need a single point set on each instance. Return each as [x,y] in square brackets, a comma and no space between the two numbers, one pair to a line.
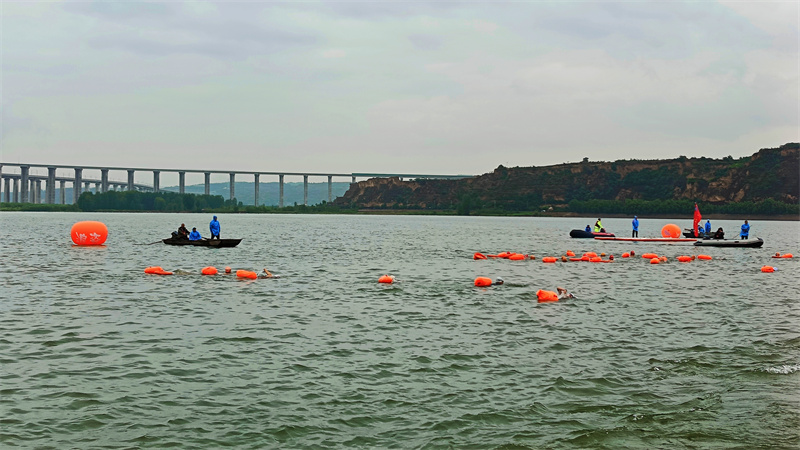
[94,353]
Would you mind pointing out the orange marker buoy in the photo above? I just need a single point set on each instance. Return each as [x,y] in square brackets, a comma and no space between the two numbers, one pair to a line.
[671,230]
[246,274]
[626,255]
[546,296]
[516,257]
[704,257]
[585,258]
[478,255]
[767,269]
[655,261]
[483,281]
[590,254]
[549,259]
[387,279]
[649,255]
[684,258]
[89,232]
[787,255]
[570,253]
[595,259]
[153,269]
[209,270]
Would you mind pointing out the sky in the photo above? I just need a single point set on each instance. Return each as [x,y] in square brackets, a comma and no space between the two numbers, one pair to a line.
[394,87]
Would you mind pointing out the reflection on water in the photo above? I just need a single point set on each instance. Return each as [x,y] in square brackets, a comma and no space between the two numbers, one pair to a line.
[96,353]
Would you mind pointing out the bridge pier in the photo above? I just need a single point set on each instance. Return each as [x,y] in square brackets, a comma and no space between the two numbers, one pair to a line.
[23,184]
[280,188]
[130,179]
[208,182]
[353,181]
[103,180]
[305,190]
[182,182]
[63,191]
[6,186]
[76,184]
[32,196]
[156,186]
[330,188]
[38,191]
[256,179]
[233,182]
[16,190]
[51,185]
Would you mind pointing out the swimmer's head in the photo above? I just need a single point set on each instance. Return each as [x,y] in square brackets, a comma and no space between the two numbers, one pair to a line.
[499,281]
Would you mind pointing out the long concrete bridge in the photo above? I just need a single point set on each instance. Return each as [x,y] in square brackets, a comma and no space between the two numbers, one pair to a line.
[27,186]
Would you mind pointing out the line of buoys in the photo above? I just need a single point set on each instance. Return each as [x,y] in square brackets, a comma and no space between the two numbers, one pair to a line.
[767,269]
[246,274]
[546,296]
[209,270]
[386,279]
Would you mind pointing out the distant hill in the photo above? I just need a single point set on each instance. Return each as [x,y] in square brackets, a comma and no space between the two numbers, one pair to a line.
[768,174]
[268,193]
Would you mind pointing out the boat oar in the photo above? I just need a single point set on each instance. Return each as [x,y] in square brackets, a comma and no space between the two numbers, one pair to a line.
[156,242]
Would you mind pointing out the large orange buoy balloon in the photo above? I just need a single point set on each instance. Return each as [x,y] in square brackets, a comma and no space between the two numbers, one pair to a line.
[89,232]
[671,230]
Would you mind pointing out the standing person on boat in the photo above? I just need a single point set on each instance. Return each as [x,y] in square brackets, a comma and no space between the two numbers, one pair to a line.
[635,233]
[598,227]
[195,235]
[214,227]
[745,230]
[708,227]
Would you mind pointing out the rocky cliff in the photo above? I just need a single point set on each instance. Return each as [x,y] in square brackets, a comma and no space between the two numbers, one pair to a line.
[768,174]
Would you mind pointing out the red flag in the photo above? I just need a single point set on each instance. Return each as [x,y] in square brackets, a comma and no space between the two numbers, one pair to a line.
[697,219]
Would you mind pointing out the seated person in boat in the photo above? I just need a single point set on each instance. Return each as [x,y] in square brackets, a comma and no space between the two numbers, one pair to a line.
[588,229]
[195,235]
[183,232]
[719,234]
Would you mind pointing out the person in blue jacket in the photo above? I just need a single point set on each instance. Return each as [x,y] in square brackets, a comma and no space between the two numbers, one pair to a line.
[745,230]
[214,227]
[588,228]
[708,227]
[635,222]
[195,235]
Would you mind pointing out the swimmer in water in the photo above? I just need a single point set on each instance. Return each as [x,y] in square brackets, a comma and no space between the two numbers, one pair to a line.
[563,294]
[267,274]
[499,281]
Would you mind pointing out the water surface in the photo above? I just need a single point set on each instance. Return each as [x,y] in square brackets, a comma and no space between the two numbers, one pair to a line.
[94,353]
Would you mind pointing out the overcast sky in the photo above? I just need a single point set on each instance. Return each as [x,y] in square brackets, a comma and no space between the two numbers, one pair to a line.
[402,87]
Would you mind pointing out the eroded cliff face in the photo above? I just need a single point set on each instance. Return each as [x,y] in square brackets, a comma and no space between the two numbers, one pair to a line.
[769,173]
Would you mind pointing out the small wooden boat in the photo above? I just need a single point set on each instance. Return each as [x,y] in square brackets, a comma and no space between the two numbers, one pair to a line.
[753,243]
[601,238]
[583,234]
[218,243]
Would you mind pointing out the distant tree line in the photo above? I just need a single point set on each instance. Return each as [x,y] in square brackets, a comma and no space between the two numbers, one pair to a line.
[766,207]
